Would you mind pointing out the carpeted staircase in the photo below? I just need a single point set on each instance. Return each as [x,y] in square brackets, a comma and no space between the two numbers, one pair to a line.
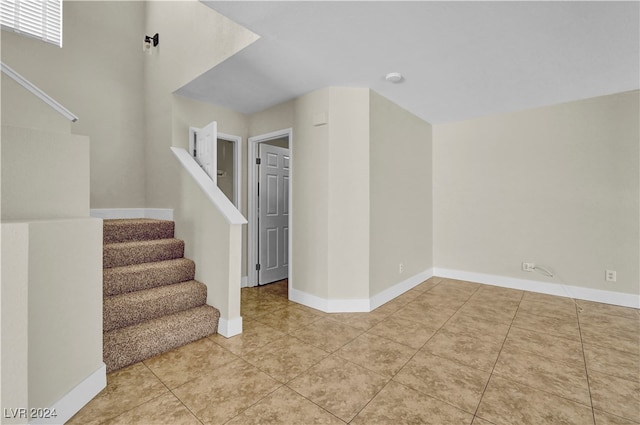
[151,303]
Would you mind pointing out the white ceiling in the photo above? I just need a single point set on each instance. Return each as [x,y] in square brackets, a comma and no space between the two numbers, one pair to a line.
[460,59]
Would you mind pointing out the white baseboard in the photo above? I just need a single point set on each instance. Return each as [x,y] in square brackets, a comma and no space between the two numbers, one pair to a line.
[77,398]
[400,288]
[229,328]
[558,289]
[358,305]
[329,305]
[113,213]
[244,282]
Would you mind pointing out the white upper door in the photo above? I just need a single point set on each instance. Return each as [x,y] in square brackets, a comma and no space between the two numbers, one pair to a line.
[273,214]
[203,146]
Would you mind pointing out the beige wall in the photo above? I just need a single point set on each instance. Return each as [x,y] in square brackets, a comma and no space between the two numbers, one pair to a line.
[400,191]
[30,158]
[310,211]
[192,113]
[193,39]
[65,306]
[98,76]
[556,186]
[347,200]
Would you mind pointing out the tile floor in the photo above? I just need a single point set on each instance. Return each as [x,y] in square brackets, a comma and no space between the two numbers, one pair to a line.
[446,352]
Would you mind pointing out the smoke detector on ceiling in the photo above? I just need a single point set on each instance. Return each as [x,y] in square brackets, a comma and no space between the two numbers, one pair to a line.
[394,77]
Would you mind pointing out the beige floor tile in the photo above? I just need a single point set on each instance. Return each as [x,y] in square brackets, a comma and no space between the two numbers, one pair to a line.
[614,310]
[563,328]
[126,389]
[600,320]
[545,345]
[483,329]
[409,296]
[446,380]
[328,335]
[608,336]
[428,284]
[431,300]
[470,351]
[278,289]
[254,335]
[218,396]
[254,307]
[509,403]
[490,291]
[285,406]
[499,311]
[378,354]
[551,300]
[362,321]
[561,379]
[603,418]
[455,289]
[431,317]
[189,361]
[613,362]
[398,405]
[402,331]
[166,409]
[288,319]
[285,358]
[389,308]
[339,386]
[555,311]
[480,421]
[615,396]
[460,285]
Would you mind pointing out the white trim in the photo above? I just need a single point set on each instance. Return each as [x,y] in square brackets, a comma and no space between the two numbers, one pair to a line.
[229,328]
[362,304]
[208,186]
[114,213]
[77,398]
[400,288]
[252,231]
[243,282]
[38,93]
[558,289]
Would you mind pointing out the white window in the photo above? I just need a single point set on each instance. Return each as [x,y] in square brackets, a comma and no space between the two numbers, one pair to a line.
[41,19]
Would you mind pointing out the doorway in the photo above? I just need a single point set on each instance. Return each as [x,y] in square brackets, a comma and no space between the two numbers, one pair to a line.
[269,250]
[220,156]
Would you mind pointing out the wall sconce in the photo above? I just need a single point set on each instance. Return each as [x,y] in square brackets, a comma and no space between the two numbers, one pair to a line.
[149,42]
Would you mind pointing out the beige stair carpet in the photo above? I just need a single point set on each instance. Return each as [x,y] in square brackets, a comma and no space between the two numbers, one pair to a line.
[152,303]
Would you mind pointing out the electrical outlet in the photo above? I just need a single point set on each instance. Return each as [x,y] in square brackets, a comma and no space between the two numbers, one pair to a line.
[610,275]
[528,267]
[401,268]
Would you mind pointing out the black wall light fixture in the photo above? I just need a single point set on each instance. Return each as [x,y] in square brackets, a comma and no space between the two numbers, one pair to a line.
[151,41]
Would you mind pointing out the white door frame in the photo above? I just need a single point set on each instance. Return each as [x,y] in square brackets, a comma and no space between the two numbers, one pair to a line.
[237,166]
[237,161]
[252,205]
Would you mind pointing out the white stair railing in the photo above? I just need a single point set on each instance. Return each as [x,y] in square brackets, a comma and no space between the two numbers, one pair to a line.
[39,93]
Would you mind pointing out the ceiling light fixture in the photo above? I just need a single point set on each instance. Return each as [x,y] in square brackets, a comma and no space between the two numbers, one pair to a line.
[394,77]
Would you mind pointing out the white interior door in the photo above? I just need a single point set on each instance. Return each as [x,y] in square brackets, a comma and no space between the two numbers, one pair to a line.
[273,214]
[203,147]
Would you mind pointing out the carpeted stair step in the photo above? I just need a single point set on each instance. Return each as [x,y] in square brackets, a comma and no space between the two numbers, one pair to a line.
[128,309]
[138,277]
[127,253]
[132,344]
[136,229]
